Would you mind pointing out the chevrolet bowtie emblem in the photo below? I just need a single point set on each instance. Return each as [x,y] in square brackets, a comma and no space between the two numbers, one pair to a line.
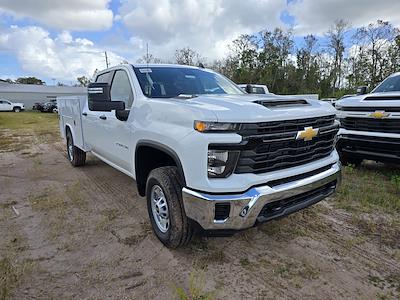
[379,114]
[307,134]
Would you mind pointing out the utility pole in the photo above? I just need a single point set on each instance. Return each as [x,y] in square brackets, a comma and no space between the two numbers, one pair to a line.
[105,53]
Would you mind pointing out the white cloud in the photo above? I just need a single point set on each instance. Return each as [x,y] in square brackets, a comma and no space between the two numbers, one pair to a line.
[207,26]
[63,57]
[316,16]
[62,14]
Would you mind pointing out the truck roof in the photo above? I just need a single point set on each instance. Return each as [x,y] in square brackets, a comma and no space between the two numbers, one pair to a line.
[152,66]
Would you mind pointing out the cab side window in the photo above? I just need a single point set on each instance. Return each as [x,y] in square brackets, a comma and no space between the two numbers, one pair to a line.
[121,89]
[103,77]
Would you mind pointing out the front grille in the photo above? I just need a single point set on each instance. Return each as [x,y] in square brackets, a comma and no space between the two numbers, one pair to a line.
[370,109]
[383,98]
[292,204]
[273,146]
[369,124]
[366,144]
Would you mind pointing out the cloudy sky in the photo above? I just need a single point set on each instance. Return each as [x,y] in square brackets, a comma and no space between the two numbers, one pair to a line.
[60,39]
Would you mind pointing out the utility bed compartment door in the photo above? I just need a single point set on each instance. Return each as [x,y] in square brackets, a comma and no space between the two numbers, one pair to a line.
[70,111]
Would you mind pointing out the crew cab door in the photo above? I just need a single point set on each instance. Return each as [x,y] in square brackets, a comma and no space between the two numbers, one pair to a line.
[92,121]
[119,124]
[108,134]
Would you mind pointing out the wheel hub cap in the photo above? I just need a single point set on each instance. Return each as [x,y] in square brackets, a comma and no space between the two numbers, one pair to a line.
[159,208]
[70,151]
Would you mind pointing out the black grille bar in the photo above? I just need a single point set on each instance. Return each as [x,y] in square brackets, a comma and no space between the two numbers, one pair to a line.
[248,129]
[278,209]
[370,109]
[369,124]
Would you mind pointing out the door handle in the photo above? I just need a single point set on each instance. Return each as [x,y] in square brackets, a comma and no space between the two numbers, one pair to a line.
[103,117]
[84,114]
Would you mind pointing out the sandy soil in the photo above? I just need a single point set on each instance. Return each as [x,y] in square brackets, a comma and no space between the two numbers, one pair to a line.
[84,233]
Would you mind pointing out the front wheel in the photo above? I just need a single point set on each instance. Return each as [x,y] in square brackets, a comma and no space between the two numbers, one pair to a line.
[76,156]
[165,207]
[346,160]
[17,109]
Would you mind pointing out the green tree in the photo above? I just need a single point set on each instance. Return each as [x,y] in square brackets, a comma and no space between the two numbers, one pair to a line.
[83,81]
[188,56]
[336,48]
[374,41]
[29,80]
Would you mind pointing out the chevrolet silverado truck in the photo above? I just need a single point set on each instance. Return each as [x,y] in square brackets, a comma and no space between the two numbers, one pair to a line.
[205,154]
[6,105]
[370,124]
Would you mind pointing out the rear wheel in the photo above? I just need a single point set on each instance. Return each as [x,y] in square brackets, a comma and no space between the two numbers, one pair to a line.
[165,207]
[76,156]
[16,109]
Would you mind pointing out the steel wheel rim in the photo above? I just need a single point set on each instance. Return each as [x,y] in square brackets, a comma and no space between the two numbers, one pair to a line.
[70,150]
[159,208]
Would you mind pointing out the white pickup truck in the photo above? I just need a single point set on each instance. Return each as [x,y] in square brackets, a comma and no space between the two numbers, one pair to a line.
[6,105]
[205,154]
[370,124]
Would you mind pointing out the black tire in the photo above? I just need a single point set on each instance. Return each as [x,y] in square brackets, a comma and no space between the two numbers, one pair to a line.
[180,229]
[17,109]
[76,156]
[348,160]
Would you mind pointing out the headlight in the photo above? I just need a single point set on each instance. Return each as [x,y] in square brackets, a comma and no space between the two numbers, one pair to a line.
[215,126]
[221,163]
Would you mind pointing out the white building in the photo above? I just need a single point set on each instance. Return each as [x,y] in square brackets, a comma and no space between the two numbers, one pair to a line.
[31,93]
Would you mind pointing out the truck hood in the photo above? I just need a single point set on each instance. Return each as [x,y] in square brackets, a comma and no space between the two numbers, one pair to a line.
[387,99]
[259,108]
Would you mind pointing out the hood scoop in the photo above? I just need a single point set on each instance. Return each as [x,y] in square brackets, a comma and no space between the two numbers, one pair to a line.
[377,98]
[282,103]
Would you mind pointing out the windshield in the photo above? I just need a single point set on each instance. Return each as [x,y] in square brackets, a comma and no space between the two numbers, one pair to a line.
[391,84]
[169,82]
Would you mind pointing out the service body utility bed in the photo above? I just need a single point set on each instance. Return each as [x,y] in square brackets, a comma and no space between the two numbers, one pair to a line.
[70,111]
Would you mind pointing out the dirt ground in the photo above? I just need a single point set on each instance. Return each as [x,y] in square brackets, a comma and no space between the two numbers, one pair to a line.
[84,233]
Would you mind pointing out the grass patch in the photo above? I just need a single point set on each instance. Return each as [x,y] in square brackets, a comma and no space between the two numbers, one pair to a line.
[11,272]
[9,276]
[205,253]
[19,130]
[367,190]
[303,223]
[294,269]
[386,230]
[39,122]
[196,290]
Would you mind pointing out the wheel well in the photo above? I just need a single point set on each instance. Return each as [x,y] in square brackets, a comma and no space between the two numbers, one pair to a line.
[148,158]
[67,129]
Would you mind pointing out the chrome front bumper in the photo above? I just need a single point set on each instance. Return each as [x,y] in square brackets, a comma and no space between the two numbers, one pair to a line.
[246,207]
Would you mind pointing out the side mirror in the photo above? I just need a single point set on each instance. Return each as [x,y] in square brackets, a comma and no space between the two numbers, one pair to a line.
[361,90]
[99,98]
[249,88]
